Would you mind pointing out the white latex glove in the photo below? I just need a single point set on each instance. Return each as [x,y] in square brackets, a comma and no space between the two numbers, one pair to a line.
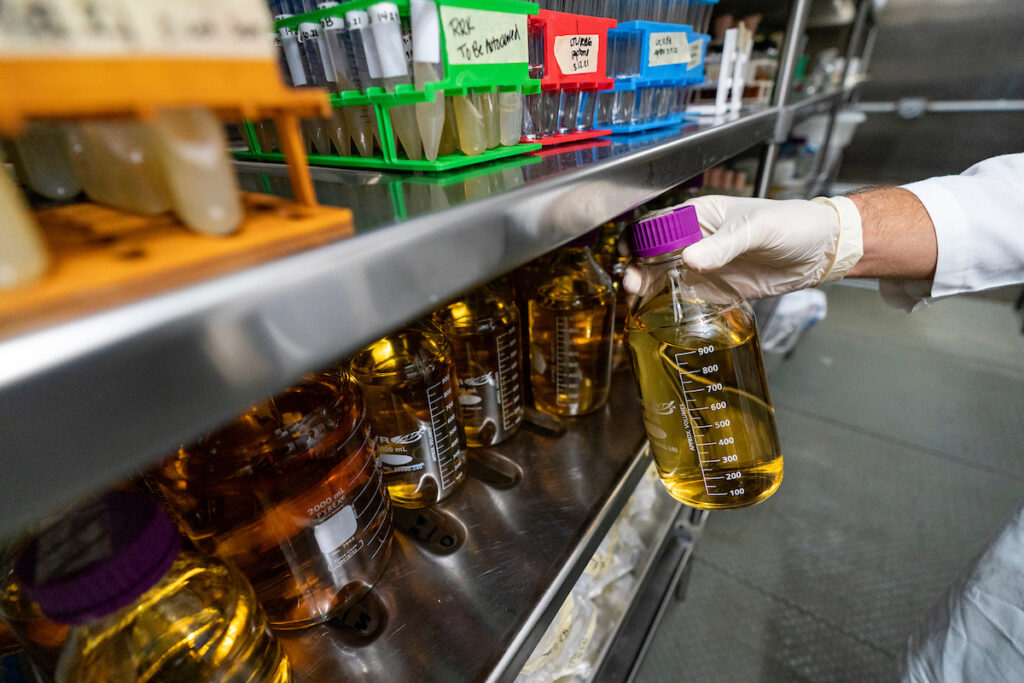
[765,247]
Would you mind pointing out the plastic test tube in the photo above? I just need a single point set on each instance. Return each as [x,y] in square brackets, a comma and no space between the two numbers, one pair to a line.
[534,109]
[309,38]
[358,119]
[363,54]
[23,254]
[386,25]
[427,67]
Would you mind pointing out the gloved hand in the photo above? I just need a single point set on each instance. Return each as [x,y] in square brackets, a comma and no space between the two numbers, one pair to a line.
[765,247]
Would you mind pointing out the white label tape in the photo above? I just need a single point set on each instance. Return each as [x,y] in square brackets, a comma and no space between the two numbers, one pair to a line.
[577,54]
[668,48]
[696,50]
[483,37]
[426,31]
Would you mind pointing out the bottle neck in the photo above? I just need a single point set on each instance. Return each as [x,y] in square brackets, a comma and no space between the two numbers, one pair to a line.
[659,259]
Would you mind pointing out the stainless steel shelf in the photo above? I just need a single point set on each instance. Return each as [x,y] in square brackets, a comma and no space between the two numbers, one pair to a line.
[477,613]
[87,401]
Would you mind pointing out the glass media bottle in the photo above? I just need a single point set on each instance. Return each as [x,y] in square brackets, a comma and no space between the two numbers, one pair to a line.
[698,367]
[137,606]
[409,383]
[290,493]
[571,315]
[483,330]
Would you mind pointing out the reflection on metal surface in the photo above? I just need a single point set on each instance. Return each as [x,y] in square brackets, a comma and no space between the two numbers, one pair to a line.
[542,423]
[493,468]
[436,530]
[362,622]
[476,613]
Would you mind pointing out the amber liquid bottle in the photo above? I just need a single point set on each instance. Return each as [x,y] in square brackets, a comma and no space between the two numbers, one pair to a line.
[291,494]
[483,330]
[134,605]
[408,380]
[607,255]
[571,317]
[698,369]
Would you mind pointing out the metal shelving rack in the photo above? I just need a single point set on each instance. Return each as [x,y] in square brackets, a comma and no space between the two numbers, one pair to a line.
[87,401]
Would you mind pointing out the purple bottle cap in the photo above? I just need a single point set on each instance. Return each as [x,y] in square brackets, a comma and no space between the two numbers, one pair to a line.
[99,558]
[666,232]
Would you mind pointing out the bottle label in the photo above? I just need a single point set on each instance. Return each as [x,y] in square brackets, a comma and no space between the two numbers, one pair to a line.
[577,54]
[668,48]
[403,452]
[484,37]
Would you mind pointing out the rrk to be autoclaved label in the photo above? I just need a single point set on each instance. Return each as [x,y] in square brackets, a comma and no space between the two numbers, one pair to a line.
[483,37]
[577,54]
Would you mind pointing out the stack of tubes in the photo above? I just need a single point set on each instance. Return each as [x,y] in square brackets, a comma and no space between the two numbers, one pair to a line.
[367,49]
[624,50]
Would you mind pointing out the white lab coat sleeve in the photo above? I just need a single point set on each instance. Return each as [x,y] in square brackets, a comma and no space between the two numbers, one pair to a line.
[979,224]
[975,633]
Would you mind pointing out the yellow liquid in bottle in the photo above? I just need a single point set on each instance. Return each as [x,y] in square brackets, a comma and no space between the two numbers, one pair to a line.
[290,494]
[706,407]
[484,334]
[409,385]
[571,315]
[200,622]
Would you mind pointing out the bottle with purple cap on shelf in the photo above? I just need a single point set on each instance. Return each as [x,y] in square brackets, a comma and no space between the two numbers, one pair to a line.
[108,593]
[697,363]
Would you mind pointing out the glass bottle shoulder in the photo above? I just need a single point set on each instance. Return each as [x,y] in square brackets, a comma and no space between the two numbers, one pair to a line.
[677,305]
[570,279]
[408,354]
[480,312]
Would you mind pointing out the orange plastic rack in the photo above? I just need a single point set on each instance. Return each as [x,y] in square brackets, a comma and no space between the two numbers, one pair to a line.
[83,88]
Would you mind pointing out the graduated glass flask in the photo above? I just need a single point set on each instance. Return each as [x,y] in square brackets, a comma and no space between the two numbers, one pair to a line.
[698,368]
[409,384]
[483,329]
[571,315]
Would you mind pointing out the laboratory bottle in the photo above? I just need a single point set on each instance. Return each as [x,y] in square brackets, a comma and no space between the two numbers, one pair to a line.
[134,604]
[697,363]
[609,257]
[570,320]
[409,383]
[483,330]
[291,494]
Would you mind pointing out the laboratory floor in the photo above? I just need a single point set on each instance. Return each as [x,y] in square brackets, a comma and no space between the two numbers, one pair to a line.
[903,443]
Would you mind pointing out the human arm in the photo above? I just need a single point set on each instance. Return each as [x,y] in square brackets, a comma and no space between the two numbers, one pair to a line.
[925,240]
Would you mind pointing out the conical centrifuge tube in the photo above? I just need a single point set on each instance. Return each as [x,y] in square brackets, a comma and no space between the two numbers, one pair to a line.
[492,126]
[510,114]
[449,134]
[386,25]
[469,120]
[22,250]
[364,55]
[116,163]
[198,171]
[357,118]
[40,156]
[428,68]
[309,38]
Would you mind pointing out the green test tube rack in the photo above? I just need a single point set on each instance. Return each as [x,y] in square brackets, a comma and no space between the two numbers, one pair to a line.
[461,77]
